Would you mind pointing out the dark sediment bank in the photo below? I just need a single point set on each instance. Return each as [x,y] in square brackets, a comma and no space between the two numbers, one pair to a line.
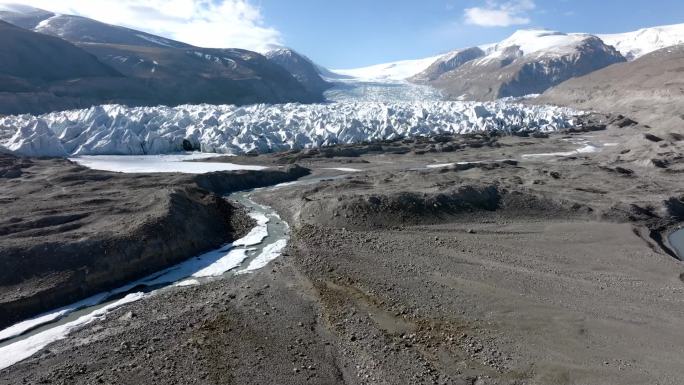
[68,232]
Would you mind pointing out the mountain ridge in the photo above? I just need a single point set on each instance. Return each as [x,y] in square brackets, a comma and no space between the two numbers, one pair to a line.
[645,40]
[156,70]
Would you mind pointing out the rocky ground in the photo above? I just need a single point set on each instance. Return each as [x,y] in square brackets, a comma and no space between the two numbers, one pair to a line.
[517,269]
[67,232]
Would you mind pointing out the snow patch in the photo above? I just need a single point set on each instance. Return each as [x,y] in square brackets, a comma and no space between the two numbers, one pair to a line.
[394,71]
[343,169]
[155,40]
[158,163]
[633,45]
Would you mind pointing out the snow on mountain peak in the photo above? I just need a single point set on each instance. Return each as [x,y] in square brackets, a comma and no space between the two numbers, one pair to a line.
[535,40]
[19,8]
[392,72]
[633,45]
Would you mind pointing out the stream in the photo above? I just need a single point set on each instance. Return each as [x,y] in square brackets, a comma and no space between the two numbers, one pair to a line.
[255,250]
[677,242]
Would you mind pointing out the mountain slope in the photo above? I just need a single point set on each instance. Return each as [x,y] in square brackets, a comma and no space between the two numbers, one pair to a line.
[37,58]
[528,62]
[635,44]
[156,70]
[447,63]
[204,75]
[649,89]
[78,29]
[301,67]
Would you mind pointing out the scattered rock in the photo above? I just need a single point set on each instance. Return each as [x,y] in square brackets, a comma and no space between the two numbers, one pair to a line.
[652,138]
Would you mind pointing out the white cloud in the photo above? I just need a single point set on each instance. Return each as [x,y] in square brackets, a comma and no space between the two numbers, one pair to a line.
[498,14]
[206,23]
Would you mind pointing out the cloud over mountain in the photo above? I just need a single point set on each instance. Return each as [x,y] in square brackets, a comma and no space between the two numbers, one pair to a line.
[205,23]
[500,14]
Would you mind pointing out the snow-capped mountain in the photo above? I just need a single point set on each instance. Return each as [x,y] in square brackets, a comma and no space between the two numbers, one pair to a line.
[447,63]
[528,62]
[114,129]
[156,70]
[631,45]
[389,72]
[635,44]
[77,29]
[301,67]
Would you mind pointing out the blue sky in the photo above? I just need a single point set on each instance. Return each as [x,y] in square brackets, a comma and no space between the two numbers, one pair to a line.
[353,33]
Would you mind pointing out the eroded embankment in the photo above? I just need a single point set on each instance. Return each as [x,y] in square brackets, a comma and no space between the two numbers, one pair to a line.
[69,232]
[376,209]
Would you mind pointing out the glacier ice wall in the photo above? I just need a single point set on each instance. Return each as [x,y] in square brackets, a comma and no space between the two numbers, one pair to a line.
[120,130]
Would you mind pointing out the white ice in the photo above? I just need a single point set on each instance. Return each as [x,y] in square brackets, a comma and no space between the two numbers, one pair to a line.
[343,169]
[442,165]
[22,327]
[19,351]
[589,148]
[257,234]
[395,71]
[286,184]
[211,264]
[633,45]
[158,163]
[120,130]
[226,263]
[268,254]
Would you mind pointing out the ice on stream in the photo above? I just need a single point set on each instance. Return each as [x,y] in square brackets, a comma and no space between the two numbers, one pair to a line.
[212,264]
[23,349]
[257,234]
[270,253]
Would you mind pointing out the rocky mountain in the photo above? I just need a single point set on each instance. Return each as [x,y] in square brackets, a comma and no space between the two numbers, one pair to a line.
[33,59]
[145,69]
[40,73]
[528,62]
[301,67]
[649,89]
[447,63]
[79,29]
[635,44]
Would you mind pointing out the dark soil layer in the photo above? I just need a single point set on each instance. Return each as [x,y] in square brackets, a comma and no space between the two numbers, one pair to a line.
[67,232]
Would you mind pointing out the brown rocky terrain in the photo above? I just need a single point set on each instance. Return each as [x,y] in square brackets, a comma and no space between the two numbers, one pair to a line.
[649,90]
[67,232]
[509,269]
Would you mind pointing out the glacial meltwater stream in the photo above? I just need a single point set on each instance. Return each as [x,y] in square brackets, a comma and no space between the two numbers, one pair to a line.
[263,244]
[677,242]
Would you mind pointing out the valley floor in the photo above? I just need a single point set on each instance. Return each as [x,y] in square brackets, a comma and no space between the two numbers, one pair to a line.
[523,268]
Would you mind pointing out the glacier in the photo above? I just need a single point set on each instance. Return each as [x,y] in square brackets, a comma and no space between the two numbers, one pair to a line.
[228,129]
